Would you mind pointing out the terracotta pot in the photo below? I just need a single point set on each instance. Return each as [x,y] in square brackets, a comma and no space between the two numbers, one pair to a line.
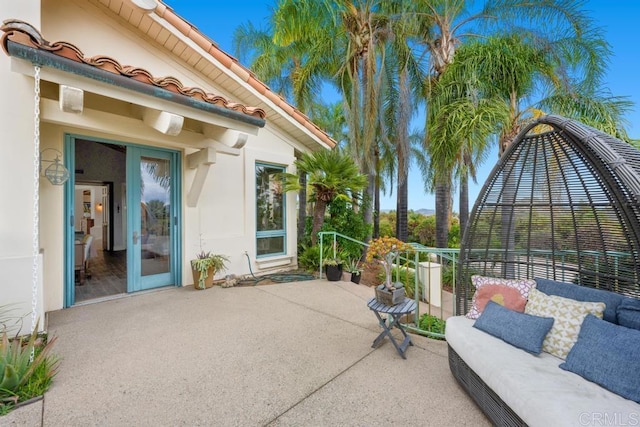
[208,281]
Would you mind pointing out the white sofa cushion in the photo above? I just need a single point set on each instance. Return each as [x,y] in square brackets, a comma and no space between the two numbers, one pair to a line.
[534,387]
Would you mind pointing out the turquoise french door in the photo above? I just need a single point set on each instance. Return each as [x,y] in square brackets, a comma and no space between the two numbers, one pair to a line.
[152,247]
[150,226]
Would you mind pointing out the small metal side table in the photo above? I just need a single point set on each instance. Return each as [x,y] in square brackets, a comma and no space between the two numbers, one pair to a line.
[395,312]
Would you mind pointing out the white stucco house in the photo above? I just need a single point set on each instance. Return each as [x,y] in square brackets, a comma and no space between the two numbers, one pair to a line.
[170,146]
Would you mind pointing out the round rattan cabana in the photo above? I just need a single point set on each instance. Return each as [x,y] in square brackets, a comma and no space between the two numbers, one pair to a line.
[562,203]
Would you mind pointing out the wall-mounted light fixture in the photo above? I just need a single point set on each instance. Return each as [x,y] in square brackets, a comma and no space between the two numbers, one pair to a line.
[99,207]
[56,173]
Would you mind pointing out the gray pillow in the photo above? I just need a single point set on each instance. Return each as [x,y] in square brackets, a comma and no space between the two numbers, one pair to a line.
[607,354]
[521,330]
[582,293]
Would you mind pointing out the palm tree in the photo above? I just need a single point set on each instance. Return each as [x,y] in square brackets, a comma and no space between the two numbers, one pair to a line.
[503,73]
[330,174]
[560,21]
[287,68]
[402,94]
[346,38]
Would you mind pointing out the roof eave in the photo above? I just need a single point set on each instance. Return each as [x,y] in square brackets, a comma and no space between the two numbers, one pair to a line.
[47,59]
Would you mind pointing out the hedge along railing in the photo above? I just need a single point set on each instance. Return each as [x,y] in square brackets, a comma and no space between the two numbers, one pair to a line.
[411,261]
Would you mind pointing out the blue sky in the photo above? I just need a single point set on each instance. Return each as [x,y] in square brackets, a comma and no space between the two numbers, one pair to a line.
[618,19]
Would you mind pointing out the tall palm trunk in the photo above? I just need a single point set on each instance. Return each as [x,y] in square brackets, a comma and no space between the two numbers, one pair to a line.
[370,202]
[376,210]
[443,198]
[302,206]
[318,219]
[376,192]
[464,202]
[402,227]
[402,150]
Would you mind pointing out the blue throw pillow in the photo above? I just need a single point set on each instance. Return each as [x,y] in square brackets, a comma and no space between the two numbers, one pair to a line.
[521,330]
[629,313]
[582,293]
[607,354]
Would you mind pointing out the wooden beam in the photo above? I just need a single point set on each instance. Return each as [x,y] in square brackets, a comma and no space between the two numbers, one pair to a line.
[201,161]
[229,137]
[163,121]
[71,99]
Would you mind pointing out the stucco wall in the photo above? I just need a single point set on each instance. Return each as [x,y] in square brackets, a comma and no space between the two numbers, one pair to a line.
[16,174]
[223,220]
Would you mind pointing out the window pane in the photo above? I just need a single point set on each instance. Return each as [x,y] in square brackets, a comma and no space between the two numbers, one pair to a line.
[270,245]
[269,198]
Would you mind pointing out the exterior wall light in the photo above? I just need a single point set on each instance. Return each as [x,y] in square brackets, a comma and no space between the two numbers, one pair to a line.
[56,173]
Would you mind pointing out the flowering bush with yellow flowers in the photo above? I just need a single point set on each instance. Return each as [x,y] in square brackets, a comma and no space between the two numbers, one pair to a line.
[386,251]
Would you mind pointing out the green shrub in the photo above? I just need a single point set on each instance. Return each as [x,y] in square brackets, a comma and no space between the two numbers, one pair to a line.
[346,221]
[309,257]
[386,228]
[433,324]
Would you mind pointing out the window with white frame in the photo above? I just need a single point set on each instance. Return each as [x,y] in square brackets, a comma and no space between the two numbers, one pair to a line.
[271,233]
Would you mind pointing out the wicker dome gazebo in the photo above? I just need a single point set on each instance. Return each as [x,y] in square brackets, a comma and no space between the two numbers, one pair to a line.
[562,203]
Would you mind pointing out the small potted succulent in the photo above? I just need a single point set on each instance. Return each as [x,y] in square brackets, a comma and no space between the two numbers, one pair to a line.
[205,266]
[333,269]
[353,267]
[386,250]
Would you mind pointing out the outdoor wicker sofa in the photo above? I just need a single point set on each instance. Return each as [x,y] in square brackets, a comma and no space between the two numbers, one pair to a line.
[561,206]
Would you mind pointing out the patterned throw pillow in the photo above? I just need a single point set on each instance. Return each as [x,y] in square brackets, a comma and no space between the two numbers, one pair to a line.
[500,291]
[568,314]
[506,296]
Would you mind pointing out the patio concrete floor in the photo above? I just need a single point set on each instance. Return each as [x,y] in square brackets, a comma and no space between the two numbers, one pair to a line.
[287,354]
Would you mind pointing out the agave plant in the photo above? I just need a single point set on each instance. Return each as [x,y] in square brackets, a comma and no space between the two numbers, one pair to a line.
[16,366]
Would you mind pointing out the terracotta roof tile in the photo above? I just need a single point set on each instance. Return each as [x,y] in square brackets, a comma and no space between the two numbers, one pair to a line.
[244,73]
[23,33]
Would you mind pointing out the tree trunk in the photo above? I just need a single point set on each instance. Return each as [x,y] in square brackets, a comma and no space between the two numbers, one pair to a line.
[402,202]
[464,203]
[318,219]
[302,206]
[443,197]
[376,210]
[403,153]
[369,202]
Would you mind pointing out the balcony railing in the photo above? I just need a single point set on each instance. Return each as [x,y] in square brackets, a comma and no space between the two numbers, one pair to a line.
[433,285]
[434,273]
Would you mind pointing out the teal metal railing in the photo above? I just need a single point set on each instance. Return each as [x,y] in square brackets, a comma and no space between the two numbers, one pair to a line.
[433,280]
[435,273]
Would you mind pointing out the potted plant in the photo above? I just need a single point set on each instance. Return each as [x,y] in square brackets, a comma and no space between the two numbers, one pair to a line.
[333,269]
[386,251]
[353,267]
[205,266]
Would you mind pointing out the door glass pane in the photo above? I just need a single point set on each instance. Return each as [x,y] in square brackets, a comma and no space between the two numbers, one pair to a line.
[155,184]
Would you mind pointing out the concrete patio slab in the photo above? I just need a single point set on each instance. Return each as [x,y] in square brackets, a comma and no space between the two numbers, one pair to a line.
[286,354]
[27,414]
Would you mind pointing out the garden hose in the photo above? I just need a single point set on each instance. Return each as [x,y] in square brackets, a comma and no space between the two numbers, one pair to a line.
[276,277]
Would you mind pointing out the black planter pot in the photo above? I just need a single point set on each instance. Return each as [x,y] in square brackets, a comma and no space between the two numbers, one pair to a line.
[333,272]
[355,278]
